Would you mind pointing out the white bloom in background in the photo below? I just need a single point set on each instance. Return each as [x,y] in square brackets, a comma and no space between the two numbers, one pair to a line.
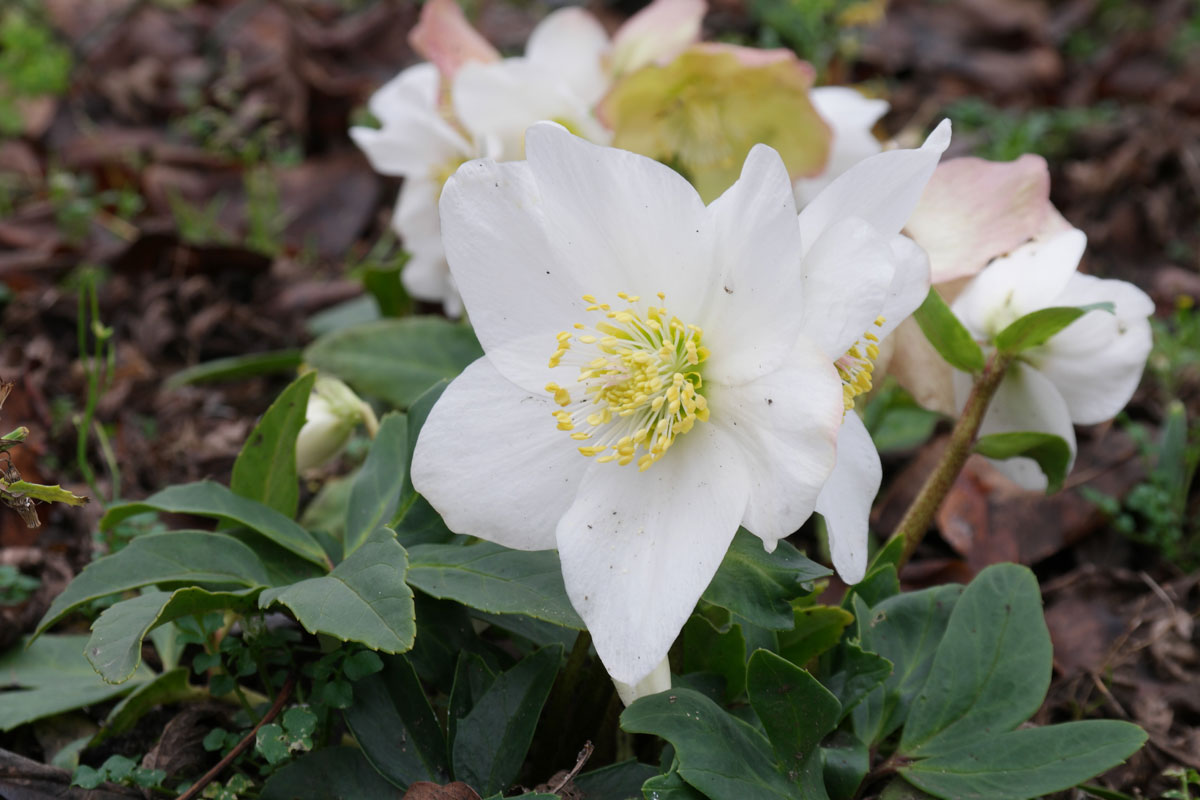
[1084,374]
[332,414]
[656,372]
[851,118]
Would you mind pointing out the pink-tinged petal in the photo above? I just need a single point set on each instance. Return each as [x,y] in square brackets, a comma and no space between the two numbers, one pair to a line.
[758,57]
[786,423]
[846,276]
[656,34]
[571,44]
[443,36]
[1096,362]
[639,548]
[919,368]
[1026,280]
[518,291]
[845,500]
[1025,401]
[883,189]
[975,210]
[621,222]
[492,463]
[852,117]
[750,324]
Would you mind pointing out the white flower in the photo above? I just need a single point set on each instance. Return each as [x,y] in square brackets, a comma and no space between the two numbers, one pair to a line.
[332,414]
[851,118]
[1084,374]
[657,372]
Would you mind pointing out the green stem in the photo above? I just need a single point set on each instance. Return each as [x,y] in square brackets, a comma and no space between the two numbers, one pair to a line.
[919,515]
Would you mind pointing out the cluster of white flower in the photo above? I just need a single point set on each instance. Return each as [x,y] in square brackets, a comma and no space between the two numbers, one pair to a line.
[659,372]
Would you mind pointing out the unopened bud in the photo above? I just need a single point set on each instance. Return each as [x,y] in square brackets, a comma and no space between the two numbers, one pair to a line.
[333,412]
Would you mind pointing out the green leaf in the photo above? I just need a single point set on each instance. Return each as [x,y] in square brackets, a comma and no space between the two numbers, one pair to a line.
[331,773]
[44,492]
[392,721]
[472,677]
[166,689]
[880,583]
[855,675]
[236,368]
[947,335]
[759,586]
[492,578]
[845,762]
[490,742]
[418,412]
[183,556]
[718,754]
[115,647]
[265,469]
[365,599]
[396,359]
[707,649]
[620,781]
[1026,763]
[669,787]
[1052,453]
[208,499]
[796,712]
[906,630]
[992,668]
[1036,328]
[816,630]
[376,490]
[54,677]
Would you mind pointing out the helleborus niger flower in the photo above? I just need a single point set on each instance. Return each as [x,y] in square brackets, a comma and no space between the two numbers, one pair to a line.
[332,414]
[851,117]
[703,111]
[1084,374]
[656,372]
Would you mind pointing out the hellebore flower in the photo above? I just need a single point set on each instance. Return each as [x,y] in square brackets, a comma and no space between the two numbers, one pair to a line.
[656,372]
[1084,374]
[332,414]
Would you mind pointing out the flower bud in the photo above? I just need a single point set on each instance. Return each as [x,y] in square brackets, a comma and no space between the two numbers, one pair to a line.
[333,412]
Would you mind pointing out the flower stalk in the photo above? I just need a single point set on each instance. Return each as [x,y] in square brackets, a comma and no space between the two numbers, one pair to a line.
[920,513]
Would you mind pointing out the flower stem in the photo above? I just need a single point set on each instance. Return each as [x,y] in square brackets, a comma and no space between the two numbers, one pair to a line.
[919,515]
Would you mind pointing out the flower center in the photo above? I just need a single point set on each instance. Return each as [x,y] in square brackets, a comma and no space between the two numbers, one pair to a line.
[857,365]
[638,383]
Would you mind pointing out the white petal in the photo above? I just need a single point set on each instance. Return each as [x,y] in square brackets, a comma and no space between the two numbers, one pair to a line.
[845,500]
[572,44]
[417,83]
[492,462]
[751,324]
[851,117]
[1028,279]
[657,681]
[909,286]
[883,189]
[518,293]
[1097,361]
[639,548]
[847,274]
[657,33]
[415,141]
[786,422]
[623,222]
[1025,401]
[426,275]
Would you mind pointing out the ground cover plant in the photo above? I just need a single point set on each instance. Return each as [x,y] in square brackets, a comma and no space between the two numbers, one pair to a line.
[509,399]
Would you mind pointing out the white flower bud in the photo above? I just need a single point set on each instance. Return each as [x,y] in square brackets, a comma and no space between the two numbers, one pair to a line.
[333,412]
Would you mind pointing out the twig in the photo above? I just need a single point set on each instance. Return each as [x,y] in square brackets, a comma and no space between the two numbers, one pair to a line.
[241,746]
[582,759]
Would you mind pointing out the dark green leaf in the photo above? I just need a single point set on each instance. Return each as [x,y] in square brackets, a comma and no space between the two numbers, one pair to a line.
[621,781]
[492,578]
[947,335]
[166,689]
[855,675]
[365,599]
[331,773]
[396,359]
[265,469]
[472,677]
[183,556]
[1036,328]
[208,499]
[706,649]
[669,787]
[759,586]
[880,583]
[1026,763]
[377,488]
[718,754]
[816,630]
[394,724]
[845,761]
[906,630]
[236,368]
[115,647]
[1052,453]
[490,742]
[992,668]
[418,412]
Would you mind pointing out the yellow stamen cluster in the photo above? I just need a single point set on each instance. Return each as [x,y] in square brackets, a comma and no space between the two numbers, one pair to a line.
[858,364]
[640,382]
